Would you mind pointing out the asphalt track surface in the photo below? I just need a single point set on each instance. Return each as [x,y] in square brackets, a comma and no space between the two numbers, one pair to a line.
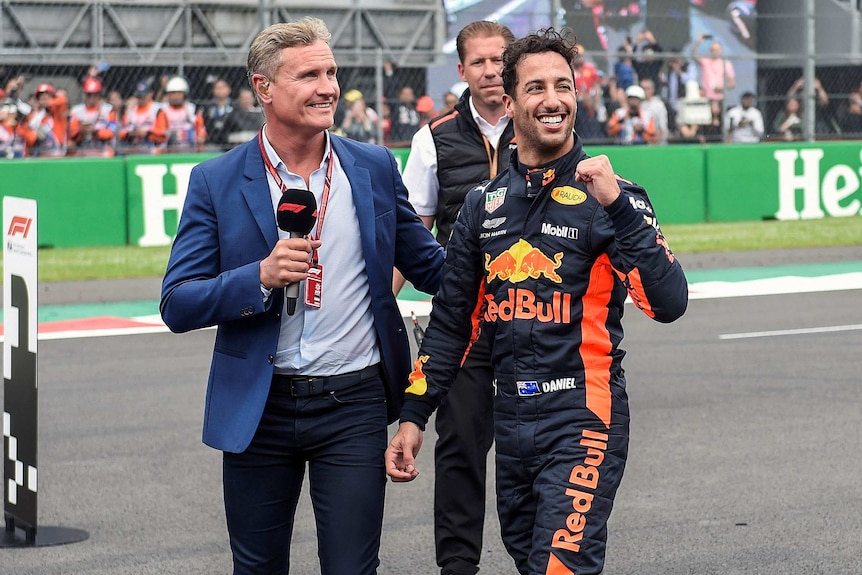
[744,457]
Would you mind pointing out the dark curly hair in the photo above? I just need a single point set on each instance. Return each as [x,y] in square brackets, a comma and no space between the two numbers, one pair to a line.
[563,43]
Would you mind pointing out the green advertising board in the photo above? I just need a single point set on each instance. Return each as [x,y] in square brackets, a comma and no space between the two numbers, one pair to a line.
[137,200]
[672,176]
[783,181]
[157,187]
[81,202]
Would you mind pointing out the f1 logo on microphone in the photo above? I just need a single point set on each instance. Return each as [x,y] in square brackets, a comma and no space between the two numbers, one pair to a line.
[286,207]
[19,226]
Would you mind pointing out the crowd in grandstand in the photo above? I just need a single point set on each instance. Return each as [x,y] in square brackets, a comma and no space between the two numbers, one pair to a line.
[157,117]
[683,100]
[646,100]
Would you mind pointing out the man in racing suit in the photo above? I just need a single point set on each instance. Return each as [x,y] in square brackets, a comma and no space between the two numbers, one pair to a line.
[448,157]
[545,255]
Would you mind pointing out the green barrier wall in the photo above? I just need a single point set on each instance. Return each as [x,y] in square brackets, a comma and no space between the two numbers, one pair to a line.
[157,188]
[783,181]
[137,200]
[80,202]
[672,176]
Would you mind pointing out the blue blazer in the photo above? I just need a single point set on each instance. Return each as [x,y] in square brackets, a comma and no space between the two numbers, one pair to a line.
[228,226]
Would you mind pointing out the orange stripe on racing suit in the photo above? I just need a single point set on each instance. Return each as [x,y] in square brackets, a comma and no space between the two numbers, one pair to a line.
[475,321]
[556,567]
[596,343]
[635,287]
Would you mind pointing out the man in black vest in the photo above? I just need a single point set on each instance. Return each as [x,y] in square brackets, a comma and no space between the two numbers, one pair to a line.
[448,157]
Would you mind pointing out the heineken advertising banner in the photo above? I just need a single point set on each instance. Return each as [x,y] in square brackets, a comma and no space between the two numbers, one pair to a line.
[157,187]
[783,181]
[137,200]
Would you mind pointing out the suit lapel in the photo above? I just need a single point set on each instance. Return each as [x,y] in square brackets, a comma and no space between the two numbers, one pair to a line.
[256,193]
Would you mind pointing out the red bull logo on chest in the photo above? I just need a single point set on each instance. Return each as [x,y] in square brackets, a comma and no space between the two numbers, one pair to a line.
[521,262]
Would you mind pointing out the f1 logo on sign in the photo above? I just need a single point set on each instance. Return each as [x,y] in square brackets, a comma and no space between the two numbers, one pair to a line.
[19,225]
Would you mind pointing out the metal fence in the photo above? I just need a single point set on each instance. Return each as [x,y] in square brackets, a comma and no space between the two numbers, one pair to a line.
[803,90]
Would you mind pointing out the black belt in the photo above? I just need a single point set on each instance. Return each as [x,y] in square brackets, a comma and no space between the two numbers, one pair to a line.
[307,385]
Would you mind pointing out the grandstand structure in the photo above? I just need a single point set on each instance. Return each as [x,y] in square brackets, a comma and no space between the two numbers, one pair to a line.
[211,32]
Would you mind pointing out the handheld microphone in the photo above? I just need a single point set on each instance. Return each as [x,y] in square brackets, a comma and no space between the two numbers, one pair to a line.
[296,214]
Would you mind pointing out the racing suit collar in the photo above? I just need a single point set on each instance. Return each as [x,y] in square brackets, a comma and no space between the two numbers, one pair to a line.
[529,181]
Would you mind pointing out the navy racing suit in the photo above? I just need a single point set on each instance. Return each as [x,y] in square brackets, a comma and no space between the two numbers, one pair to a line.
[539,263]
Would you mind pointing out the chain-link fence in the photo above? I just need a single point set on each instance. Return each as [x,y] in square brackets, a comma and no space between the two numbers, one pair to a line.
[96,65]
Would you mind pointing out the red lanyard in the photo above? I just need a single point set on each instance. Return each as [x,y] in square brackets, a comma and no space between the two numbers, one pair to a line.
[327,184]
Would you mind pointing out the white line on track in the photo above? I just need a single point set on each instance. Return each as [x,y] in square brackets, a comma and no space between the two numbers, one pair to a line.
[799,331]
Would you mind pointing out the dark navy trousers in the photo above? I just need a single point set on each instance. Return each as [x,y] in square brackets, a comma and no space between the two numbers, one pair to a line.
[465,434]
[340,435]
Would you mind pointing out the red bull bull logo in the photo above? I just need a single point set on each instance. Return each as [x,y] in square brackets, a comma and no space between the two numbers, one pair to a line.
[418,385]
[548,174]
[523,261]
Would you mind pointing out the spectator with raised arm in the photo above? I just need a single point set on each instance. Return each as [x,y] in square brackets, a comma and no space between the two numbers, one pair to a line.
[717,74]
[46,126]
[647,64]
[678,73]
[825,122]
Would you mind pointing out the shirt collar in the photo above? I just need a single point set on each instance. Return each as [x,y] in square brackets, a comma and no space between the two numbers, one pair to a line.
[279,164]
[482,122]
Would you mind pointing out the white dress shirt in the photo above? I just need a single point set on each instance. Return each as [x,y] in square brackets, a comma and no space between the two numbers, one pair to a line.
[339,336]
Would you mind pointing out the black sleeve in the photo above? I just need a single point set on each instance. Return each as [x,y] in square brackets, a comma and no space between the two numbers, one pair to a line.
[453,323]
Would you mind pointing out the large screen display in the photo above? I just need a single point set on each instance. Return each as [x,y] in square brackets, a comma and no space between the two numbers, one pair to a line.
[603,25]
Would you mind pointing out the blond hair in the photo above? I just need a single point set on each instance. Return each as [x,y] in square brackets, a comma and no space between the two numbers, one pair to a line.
[264,55]
[481,29]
